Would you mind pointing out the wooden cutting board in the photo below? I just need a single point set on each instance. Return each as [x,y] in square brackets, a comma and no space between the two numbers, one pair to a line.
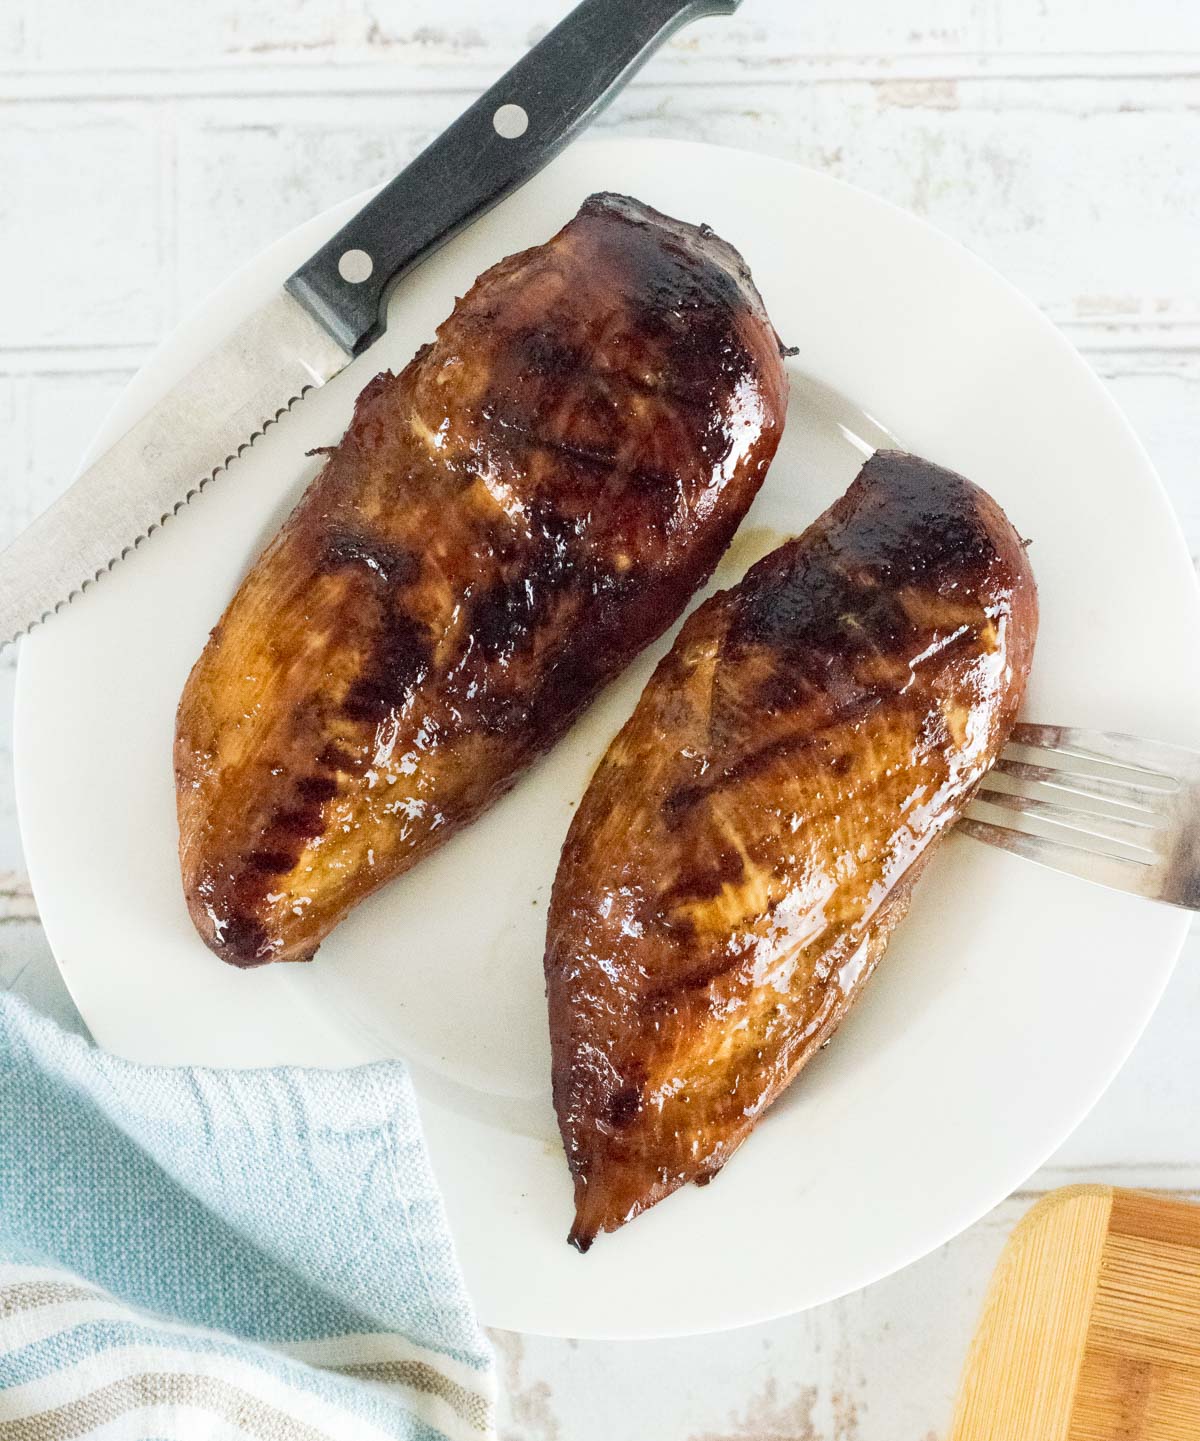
[1091,1327]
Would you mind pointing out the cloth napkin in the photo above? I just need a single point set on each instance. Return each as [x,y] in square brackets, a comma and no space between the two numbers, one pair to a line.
[223,1254]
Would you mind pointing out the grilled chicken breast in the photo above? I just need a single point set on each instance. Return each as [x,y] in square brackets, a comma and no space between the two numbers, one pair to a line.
[503,527]
[753,834]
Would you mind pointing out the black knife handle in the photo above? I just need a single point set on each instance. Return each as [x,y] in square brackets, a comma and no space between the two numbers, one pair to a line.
[559,85]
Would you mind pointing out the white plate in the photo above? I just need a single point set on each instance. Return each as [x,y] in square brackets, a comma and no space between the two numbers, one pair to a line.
[1008,999]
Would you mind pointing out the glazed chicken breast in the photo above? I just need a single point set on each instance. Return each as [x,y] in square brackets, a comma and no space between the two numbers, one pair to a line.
[505,524]
[752,837]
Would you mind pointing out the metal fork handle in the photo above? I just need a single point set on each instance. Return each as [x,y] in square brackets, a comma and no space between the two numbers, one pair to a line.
[1138,832]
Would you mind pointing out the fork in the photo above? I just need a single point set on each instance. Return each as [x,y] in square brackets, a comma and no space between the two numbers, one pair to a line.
[1110,808]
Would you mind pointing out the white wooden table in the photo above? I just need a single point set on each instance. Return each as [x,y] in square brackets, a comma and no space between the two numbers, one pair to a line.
[148,148]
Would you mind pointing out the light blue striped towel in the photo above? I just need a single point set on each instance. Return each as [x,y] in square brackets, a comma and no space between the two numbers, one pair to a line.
[223,1254]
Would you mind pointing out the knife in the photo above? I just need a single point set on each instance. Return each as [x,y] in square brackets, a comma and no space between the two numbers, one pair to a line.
[334,306]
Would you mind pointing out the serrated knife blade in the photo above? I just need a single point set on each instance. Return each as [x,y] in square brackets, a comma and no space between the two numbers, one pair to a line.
[194,432]
[334,306]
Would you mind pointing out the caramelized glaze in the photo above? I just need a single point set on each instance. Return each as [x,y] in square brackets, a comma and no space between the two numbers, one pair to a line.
[752,836]
[503,527]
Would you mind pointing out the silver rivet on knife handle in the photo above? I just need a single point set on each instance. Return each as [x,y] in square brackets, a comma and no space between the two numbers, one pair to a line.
[355,266]
[510,122]
[203,423]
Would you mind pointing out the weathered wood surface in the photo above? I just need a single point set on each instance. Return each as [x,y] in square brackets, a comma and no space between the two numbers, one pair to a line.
[148,148]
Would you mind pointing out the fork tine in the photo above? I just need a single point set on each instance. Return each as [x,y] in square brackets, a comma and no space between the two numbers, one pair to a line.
[1121,875]
[1138,835]
[1112,746]
[1078,783]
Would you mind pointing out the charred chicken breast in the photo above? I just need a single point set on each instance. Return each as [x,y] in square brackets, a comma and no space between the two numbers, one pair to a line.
[752,836]
[505,524]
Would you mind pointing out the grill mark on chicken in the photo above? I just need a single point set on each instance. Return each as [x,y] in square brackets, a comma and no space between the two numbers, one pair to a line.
[344,548]
[576,367]
[640,479]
